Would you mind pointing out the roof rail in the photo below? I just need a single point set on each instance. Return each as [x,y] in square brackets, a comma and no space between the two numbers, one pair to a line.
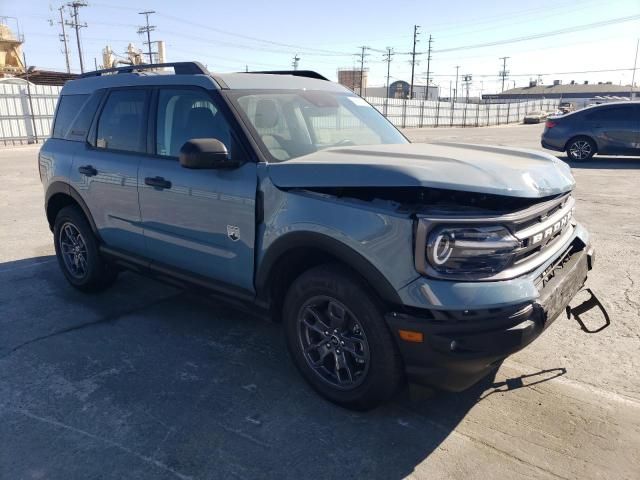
[295,73]
[179,68]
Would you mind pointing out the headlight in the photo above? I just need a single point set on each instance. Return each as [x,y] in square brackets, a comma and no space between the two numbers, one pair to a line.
[470,250]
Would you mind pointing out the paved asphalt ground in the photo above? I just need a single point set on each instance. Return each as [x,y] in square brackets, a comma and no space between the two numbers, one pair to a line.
[147,382]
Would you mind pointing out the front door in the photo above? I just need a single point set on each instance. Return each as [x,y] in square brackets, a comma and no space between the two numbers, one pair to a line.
[197,221]
[616,129]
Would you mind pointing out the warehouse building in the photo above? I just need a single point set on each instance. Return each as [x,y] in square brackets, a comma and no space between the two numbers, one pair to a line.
[581,94]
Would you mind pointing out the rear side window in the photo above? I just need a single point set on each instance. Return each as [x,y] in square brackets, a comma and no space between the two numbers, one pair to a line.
[612,114]
[122,125]
[68,108]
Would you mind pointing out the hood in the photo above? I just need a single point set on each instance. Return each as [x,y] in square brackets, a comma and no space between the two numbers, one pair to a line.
[471,168]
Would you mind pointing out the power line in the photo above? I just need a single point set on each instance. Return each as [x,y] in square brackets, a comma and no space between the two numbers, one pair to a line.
[147,29]
[550,73]
[562,31]
[77,26]
[307,50]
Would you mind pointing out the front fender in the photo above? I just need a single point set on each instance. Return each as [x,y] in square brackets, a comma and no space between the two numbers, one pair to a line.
[374,240]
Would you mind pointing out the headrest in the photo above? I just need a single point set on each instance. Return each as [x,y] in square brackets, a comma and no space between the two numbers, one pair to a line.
[266,113]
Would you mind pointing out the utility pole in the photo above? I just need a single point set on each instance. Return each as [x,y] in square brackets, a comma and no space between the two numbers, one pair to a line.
[413,57]
[296,60]
[64,39]
[363,49]
[77,26]
[455,92]
[147,29]
[466,79]
[387,57]
[504,73]
[426,93]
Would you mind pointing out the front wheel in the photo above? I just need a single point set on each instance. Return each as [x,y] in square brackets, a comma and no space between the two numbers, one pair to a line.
[581,149]
[339,340]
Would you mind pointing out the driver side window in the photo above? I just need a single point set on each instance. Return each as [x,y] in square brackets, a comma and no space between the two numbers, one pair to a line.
[185,114]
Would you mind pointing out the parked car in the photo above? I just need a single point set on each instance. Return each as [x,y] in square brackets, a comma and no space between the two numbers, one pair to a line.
[535,117]
[607,129]
[567,107]
[285,193]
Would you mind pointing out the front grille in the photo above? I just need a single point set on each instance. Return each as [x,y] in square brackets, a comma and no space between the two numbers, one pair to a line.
[548,227]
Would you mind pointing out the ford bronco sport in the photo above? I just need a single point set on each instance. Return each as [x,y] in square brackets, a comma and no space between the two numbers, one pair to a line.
[386,261]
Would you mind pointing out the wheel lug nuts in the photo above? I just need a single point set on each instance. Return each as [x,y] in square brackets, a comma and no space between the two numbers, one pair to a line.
[338,351]
[328,345]
[342,342]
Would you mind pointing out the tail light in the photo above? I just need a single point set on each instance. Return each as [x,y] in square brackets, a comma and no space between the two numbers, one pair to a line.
[550,124]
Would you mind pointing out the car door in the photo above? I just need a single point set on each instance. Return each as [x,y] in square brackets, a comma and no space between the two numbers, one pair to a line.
[197,221]
[615,128]
[105,172]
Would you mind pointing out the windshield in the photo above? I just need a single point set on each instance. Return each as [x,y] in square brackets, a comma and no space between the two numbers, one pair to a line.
[291,124]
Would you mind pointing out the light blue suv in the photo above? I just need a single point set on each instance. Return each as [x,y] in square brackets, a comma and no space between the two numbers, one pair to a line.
[386,261]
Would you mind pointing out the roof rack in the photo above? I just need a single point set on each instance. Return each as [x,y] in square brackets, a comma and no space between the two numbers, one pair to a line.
[179,68]
[295,73]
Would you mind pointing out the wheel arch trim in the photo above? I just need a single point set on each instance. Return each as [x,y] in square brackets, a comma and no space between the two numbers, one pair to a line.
[331,246]
[62,188]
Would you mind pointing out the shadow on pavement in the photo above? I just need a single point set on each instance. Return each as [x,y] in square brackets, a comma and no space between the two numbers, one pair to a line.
[144,381]
[605,163]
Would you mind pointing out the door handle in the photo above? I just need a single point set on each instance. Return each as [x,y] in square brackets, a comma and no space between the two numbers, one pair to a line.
[88,170]
[157,182]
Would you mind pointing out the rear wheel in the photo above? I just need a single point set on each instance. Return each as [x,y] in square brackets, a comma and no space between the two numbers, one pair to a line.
[580,149]
[338,338]
[77,251]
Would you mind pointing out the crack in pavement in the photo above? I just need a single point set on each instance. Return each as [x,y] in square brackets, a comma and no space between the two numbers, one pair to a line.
[144,458]
[112,318]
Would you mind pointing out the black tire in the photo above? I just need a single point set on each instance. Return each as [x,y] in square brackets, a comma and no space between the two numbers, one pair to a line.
[370,357]
[80,261]
[580,149]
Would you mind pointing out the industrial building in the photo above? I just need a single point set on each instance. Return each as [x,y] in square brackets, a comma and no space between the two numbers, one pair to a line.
[582,94]
[354,79]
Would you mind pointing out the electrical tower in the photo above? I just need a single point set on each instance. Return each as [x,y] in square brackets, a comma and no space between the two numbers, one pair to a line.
[504,73]
[77,26]
[296,60]
[426,93]
[63,38]
[413,57]
[147,29]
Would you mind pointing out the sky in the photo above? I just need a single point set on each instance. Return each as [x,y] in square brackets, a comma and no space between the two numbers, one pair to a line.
[568,36]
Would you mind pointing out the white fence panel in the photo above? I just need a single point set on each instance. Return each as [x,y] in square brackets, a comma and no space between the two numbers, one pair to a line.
[26,111]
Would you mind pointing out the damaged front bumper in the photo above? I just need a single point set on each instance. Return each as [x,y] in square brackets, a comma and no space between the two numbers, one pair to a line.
[458,347]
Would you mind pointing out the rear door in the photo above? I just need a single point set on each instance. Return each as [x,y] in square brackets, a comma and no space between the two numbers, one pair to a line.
[105,173]
[198,221]
[615,128]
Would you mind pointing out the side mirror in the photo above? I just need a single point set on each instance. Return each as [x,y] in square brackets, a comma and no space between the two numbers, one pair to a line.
[205,153]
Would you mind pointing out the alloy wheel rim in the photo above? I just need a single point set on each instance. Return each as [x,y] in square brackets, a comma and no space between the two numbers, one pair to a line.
[333,342]
[74,250]
[580,149]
